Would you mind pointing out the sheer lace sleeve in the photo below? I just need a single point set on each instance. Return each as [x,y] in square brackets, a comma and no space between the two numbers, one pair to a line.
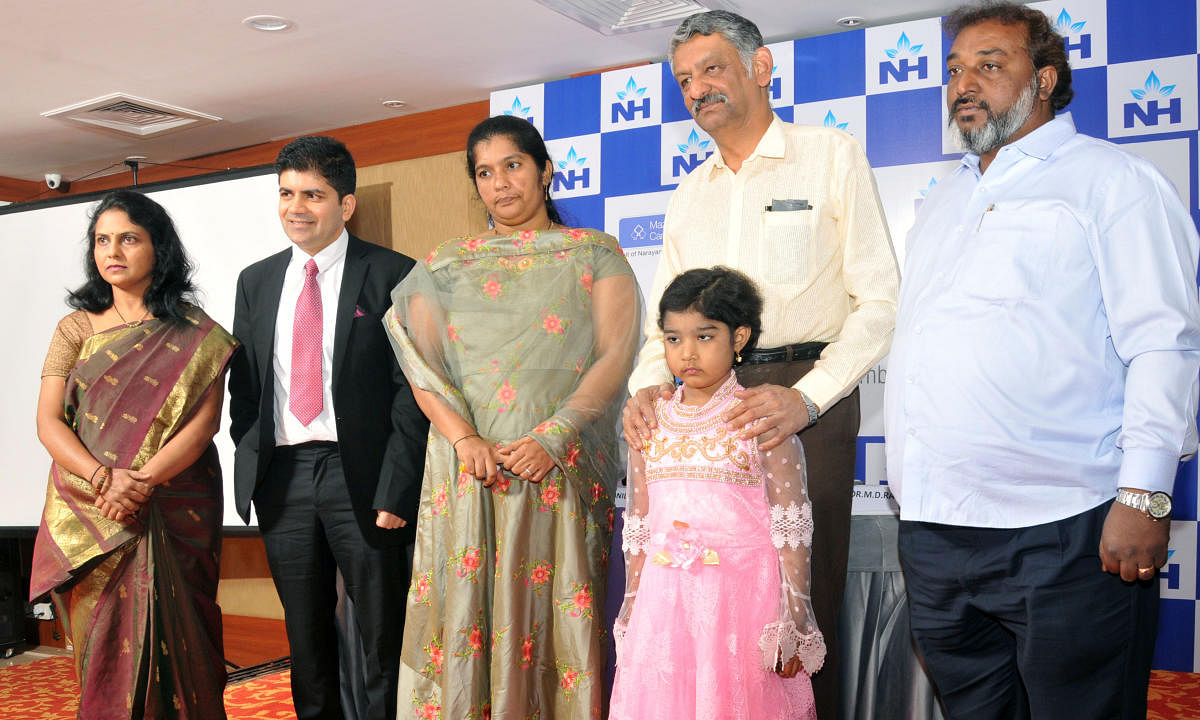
[795,632]
[634,538]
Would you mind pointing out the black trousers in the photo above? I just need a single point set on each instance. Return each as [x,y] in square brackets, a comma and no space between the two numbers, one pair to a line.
[829,447]
[310,532]
[1023,623]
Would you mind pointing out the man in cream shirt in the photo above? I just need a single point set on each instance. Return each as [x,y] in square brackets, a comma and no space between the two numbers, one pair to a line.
[796,209]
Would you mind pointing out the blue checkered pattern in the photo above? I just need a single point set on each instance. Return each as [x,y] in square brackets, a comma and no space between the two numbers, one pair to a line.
[621,140]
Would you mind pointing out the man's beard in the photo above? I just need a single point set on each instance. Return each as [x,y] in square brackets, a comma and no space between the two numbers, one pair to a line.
[999,126]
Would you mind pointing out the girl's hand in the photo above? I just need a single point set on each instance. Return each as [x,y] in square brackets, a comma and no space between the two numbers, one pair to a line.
[525,458]
[789,669]
[479,458]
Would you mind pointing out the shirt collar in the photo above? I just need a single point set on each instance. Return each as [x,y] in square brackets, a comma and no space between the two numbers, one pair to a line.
[772,144]
[1040,144]
[329,255]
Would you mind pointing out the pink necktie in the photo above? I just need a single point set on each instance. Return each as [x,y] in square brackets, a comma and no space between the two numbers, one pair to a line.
[305,394]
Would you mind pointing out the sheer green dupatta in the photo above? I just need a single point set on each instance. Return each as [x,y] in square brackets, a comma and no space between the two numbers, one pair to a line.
[531,334]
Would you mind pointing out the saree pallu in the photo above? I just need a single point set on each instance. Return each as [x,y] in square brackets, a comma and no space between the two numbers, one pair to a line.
[505,611]
[138,599]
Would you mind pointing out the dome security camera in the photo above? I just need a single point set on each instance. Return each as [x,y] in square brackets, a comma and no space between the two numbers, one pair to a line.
[53,180]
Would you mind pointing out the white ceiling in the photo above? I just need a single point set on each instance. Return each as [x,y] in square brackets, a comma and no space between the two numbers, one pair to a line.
[332,70]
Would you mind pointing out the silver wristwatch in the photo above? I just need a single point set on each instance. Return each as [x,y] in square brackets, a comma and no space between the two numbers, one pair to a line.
[1156,505]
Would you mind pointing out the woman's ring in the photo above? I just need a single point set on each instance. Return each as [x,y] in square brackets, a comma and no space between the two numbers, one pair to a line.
[1145,570]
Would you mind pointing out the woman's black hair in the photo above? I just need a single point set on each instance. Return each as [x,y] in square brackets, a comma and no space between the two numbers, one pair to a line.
[717,293]
[527,139]
[170,279]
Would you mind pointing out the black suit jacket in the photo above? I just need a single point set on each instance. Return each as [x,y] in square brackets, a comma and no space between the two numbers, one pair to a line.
[381,431]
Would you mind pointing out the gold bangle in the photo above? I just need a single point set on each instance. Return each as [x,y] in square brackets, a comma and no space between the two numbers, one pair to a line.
[454,446]
[105,478]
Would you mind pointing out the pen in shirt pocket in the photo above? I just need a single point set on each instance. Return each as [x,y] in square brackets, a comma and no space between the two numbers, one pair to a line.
[983,215]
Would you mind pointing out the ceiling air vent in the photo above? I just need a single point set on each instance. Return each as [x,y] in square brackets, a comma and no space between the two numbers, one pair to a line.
[611,17]
[128,115]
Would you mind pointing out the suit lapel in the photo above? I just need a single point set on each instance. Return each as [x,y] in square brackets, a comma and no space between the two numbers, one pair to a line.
[353,274]
[267,312]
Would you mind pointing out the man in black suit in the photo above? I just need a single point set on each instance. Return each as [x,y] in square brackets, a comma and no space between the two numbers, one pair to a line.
[330,444]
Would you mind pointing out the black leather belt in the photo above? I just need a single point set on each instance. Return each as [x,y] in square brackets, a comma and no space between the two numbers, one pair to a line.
[787,353]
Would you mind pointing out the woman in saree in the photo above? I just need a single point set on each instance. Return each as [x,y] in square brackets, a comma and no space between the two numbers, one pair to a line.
[130,538]
[516,343]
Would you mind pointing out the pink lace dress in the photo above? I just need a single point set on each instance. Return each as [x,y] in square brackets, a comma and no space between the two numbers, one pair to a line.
[727,532]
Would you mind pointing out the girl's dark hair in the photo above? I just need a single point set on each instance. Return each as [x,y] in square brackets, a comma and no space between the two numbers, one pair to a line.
[171,278]
[717,293]
[525,136]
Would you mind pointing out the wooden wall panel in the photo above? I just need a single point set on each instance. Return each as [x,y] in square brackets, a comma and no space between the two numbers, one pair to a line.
[372,219]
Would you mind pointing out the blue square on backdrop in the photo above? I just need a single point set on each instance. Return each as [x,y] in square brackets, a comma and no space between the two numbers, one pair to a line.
[904,127]
[1144,30]
[630,159]
[1184,496]
[1089,108]
[584,212]
[786,113]
[830,66]
[673,107]
[572,107]
[1176,632]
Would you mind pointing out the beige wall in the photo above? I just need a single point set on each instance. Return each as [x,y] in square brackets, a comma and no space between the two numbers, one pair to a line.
[428,200]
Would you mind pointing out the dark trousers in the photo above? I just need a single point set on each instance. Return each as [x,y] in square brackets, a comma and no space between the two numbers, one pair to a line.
[1023,623]
[829,447]
[310,532]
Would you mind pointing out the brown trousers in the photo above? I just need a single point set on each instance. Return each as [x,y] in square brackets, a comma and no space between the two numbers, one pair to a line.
[829,446]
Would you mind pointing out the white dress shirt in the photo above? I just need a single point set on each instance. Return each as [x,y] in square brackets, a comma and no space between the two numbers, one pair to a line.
[330,262]
[826,273]
[1048,339]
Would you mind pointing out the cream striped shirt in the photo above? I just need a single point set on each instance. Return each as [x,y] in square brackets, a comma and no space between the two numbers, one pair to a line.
[826,274]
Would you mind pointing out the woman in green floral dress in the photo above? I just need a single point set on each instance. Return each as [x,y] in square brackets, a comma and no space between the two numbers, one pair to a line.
[517,343]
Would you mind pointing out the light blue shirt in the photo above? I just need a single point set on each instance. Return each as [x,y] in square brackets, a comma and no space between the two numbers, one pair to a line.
[1047,344]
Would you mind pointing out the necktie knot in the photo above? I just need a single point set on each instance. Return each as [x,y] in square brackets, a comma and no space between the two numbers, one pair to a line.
[310,269]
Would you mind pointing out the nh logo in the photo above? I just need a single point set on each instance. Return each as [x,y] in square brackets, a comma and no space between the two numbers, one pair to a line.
[519,110]
[570,175]
[1067,27]
[1170,572]
[630,107]
[776,85]
[694,152]
[1153,93]
[903,68]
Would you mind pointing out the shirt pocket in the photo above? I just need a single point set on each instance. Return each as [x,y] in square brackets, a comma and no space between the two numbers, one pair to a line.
[785,255]
[1008,256]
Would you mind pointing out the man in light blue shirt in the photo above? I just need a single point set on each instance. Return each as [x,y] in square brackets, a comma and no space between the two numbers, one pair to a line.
[1046,356]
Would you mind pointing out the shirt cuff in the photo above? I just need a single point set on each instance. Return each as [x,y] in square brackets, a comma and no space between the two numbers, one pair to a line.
[820,387]
[1148,469]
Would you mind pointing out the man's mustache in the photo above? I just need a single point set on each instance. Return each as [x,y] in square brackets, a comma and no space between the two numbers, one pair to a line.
[709,98]
[969,99]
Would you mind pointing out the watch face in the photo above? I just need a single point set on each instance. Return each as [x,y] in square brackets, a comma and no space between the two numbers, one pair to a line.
[1160,505]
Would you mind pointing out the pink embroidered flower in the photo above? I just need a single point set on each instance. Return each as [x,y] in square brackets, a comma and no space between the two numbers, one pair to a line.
[583,599]
[441,498]
[586,281]
[473,244]
[683,545]
[502,484]
[552,324]
[524,237]
[475,640]
[569,679]
[543,427]
[494,366]
[527,652]
[466,483]
[429,258]
[560,255]
[540,574]
[421,588]
[597,492]
[429,711]
[550,495]
[470,562]
[493,287]
[452,333]
[507,393]
[436,656]
[573,456]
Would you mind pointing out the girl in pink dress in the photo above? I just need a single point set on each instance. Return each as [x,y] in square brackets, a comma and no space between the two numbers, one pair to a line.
[716,621]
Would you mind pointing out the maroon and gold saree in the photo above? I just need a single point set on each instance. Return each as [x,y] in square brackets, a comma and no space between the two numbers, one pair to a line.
[138,598]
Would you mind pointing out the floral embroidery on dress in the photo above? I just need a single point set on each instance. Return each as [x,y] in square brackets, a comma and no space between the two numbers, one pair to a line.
[527,646]
[506,395]
[419,591]
[426,709]
[537,574]
[466,562]
[569,677]
[552,324]
[474,634]
[466,483]
[493,287]
[482,713]
[440,497]
[551,494]
[580,602]
[433,649]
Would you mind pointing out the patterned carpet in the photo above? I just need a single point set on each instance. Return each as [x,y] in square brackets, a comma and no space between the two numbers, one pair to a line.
[45,690]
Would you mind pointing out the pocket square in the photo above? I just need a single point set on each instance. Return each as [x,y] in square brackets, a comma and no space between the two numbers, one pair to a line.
[358,312]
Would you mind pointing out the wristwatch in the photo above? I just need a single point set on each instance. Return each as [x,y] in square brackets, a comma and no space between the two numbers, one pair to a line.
[1156,505]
